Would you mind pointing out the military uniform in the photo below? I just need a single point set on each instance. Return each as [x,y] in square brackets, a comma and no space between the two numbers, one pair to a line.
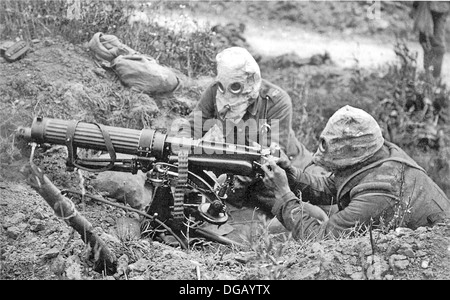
[388,185]
[434,44]
[272,104]
[373,182]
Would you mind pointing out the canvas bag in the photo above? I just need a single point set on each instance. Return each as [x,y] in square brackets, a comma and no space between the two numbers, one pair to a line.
[144,74]
[108,47]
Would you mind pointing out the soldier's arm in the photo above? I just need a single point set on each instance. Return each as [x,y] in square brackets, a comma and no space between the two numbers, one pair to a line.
[319,190]
[368,202]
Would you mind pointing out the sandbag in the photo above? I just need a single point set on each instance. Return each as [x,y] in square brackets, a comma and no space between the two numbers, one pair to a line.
[144,74]
[108,47]
[131,189]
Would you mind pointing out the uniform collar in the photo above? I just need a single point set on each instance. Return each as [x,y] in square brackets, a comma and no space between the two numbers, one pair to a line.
[342,176]
[382,153]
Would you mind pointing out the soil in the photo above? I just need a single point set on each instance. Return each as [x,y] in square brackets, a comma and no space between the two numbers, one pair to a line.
[36,244]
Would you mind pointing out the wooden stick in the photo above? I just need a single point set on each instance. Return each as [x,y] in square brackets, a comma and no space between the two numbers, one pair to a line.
[104,260]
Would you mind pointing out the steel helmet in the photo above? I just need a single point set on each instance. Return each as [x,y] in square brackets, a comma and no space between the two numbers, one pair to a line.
[350,136]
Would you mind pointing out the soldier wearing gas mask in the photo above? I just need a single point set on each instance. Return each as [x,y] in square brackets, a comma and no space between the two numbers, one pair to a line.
[240,107]
[373,182]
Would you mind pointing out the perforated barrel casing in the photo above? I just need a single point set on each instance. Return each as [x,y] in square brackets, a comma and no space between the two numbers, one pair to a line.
[86,135]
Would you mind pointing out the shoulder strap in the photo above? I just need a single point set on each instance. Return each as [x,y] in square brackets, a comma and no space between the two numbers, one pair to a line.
[265,128]
[72,160]
[265,100]
[373,165]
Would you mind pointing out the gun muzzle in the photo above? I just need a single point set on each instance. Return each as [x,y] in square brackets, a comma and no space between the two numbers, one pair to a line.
[24,133]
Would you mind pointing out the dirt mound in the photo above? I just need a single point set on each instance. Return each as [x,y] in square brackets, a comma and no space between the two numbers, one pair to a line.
[38,245]
[56,78]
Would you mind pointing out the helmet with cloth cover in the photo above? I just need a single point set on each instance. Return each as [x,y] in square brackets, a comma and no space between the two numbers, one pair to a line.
[351,136]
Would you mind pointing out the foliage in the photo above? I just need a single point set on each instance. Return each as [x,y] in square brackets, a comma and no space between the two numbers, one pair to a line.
[268,250]
[30,19]
[415,115]
[191,52]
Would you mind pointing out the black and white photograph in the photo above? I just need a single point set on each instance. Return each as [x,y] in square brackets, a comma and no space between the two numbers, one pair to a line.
[224,147]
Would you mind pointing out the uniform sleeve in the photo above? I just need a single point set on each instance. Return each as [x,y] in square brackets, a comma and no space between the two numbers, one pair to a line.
[368,202]
[203,111]
[319,190]
[297,217]
[279,114]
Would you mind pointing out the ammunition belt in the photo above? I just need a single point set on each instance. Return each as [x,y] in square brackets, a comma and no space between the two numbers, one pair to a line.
[180,189]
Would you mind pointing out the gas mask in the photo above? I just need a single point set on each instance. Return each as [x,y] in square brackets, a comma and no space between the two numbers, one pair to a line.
[238,82]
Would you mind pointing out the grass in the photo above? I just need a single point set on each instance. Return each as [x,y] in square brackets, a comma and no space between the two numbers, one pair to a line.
[191,52]
[401,89]
[268,251]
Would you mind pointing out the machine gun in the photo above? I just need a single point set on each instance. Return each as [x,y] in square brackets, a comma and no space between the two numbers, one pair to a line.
[175,166]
